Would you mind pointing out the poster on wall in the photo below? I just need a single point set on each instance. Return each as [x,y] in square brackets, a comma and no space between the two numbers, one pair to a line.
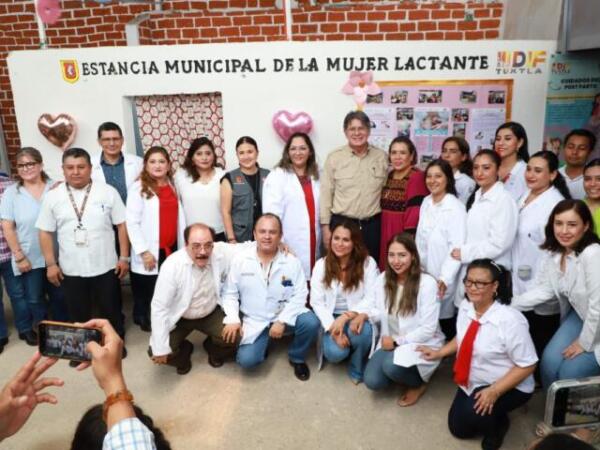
[573,98]
[430,111]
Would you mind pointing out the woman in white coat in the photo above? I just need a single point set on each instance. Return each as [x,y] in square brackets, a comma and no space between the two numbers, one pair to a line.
[492,218]
[545,188]
[291,191]
[442,227]
[456,151]
[341,293]
[571,273]
[155,224]
[408,310]
[511,145]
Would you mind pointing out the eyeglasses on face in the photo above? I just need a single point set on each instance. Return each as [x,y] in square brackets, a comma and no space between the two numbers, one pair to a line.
[26,166]
[469,284]
[204,247]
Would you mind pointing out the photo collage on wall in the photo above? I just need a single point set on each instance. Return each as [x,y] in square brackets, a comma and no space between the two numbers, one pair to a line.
[429,113]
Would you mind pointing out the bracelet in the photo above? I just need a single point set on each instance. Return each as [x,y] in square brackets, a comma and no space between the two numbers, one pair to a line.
[21,260]
[119,396]
[124,258]
[51,264]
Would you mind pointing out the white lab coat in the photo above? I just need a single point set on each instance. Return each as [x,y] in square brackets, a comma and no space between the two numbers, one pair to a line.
[143,227]
[516,185]
[441,229]
[465,185]
[283,196]
[133,167]
[420,328]
[174,290]
[583,292]
[531,234]
[491,229]
[282,298]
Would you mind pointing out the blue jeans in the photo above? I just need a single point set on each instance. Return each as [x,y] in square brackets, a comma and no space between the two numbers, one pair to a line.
[305,332]
[360,346]
[381,372]
[36,287]
[554,366]
[16,293]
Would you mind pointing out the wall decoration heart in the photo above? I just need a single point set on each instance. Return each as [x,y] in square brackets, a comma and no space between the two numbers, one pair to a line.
[286,123]
[60,130]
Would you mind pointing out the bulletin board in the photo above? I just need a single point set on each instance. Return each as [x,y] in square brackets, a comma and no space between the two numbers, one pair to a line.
[430,111]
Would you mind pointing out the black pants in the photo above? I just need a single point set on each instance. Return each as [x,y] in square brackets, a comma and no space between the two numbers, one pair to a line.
[541,328]
[465,423]
[370,228]
[448,327]
[142,289]
[94,297]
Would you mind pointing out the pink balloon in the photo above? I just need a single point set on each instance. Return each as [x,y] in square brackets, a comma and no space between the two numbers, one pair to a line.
[49,11]
[285,123]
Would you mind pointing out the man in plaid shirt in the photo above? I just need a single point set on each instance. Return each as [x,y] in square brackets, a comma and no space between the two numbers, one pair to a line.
[15,290]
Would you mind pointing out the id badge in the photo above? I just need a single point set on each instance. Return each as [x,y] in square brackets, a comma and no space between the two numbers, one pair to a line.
[81,237]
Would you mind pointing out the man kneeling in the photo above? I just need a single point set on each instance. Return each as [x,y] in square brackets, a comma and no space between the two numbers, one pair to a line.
[269,288]
[186,298]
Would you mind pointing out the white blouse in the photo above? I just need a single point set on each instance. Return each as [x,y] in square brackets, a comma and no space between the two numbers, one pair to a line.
[465,185]
[201,202]
[516,184]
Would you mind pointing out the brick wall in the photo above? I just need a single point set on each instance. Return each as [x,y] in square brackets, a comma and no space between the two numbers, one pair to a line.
[90,24]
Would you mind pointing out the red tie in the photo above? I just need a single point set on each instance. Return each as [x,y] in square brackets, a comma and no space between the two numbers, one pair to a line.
[462,365]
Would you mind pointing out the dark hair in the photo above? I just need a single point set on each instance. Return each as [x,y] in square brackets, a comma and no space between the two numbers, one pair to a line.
[246,140]
[357,115]
[562,441]
[76,152]
[583,133]
[149,186]
[447,171]
[355,270]
[499,274]
[188,230]
[109,126]
[593,163]
[466,166]
[406,141]
[312,170]
[497,161]
[520,133]
[188,163]
[408,302]
[269,216]
[552,161]
[34,154]
[92,429]
[581,209]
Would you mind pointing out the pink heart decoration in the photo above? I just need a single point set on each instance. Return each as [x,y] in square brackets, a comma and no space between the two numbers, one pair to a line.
[59,130]
[49,11]
[285,123]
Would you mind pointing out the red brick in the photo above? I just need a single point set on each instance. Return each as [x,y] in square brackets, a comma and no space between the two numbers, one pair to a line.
[447,25]
[418,15]
[239,20]
[205,33]
[467,25]
[356,15]
[305,29]
[434,36]
[395,37]
[75,23]
[236,3]
[453,35]
[454,5]
[390,27]
[354,37]
[174,34]
[82,13]
[367,27]
[205,21]
[415,36]
[262,20]
[440,14]
[250,31]
[430,5]
[334,37]
[217,5]
[271,31]
[483,13]
[497,13]
[378,15]
[348,27]
[492,34]
[408,5]
[329,27]
[318,17]
[426,26]
[336,16]
[397,15]
[229,31]
[473,35]
[408,26]
[184,23]
[489,24]
[373,37]
[300,18]
[221,21]
[93,21]
[190,33]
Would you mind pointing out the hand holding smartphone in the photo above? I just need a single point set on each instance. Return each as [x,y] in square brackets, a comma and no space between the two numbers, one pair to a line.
[66,340]
[573,404]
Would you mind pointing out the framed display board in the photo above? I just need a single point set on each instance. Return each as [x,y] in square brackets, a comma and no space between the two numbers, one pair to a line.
[430,111]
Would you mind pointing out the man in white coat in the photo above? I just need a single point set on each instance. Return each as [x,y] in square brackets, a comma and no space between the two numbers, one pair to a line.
[268,287]
[187,297]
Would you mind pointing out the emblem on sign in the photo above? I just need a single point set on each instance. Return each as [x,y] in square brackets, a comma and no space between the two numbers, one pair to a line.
[70,70]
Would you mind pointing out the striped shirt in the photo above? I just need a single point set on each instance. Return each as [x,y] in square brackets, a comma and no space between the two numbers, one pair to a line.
[129,434]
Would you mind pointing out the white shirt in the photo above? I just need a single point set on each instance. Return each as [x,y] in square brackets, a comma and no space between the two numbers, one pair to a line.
[442,228]
[204,298]
[201,202]
[465,185]
[502,342]
[516,184]
[526,254]
[575,185]
[104,209]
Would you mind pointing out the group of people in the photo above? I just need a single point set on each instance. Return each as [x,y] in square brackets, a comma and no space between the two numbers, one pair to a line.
[490,257]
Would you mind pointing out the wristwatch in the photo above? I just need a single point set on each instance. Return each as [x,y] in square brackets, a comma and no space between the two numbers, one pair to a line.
[125,258]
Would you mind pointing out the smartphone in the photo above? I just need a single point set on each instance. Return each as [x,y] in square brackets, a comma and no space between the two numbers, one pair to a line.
[573,403]
[66,340]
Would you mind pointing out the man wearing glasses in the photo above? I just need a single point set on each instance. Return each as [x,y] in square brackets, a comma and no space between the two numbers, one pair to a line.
[351,184]
[187,297]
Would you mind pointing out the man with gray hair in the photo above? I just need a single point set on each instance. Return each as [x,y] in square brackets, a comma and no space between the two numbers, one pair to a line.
[351,185]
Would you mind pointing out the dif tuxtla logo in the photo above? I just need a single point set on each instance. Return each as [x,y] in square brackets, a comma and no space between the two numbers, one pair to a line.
[70,70]
[521,62]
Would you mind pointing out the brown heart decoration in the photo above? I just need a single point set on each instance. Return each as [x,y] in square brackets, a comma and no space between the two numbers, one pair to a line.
[59,130]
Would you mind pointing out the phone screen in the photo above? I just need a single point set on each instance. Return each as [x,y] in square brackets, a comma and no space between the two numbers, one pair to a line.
[68,342]
[577,405]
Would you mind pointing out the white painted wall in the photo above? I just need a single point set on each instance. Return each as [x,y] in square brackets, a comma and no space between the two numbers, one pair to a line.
[532,19]
[250,99]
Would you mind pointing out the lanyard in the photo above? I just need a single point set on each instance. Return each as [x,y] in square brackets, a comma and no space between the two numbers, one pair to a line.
[79,213]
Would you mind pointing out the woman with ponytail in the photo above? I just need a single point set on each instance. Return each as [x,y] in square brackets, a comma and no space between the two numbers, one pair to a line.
[456,151]
[511,146]
[495,357]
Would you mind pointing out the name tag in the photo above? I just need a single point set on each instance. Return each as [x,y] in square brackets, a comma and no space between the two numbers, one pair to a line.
[247,274]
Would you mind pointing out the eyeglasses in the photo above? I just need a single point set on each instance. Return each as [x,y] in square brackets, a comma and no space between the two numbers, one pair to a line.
[204,247]
[27,165]
[479,285]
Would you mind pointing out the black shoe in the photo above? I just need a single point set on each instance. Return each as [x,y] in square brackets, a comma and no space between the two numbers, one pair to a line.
[185,353]
[301,371]
[494,441]
[213,361]
[74,363]
[145,325]
[3,343]
[29,337]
